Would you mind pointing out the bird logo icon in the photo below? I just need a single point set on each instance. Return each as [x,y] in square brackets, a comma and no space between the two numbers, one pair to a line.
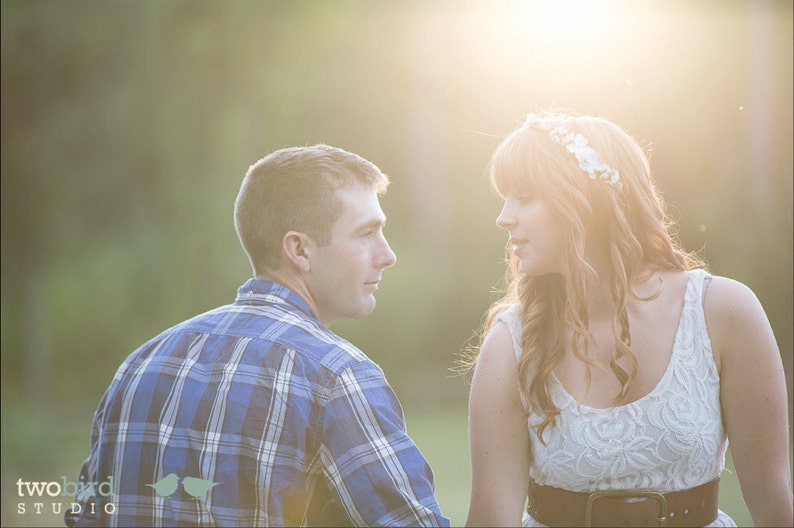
[195,487]
[166,486]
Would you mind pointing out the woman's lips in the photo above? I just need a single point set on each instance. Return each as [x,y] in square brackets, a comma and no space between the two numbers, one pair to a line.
[517,243]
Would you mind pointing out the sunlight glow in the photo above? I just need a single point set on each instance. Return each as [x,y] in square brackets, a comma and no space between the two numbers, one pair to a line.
[564,25]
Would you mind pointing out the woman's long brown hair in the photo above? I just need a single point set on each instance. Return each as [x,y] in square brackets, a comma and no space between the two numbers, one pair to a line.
[630,222]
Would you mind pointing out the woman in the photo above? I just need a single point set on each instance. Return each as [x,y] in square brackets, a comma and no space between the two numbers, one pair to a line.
[614,361]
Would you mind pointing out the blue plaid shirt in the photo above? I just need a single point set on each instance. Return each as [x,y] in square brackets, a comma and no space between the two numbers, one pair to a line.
[252,414]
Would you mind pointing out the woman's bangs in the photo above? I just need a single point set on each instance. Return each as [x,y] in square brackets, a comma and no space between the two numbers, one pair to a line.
[510,165]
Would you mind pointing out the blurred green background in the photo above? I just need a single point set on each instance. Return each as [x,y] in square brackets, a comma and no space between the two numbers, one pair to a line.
[127,128]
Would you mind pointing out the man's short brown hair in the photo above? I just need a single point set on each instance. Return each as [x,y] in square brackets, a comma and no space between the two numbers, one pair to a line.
[293,189]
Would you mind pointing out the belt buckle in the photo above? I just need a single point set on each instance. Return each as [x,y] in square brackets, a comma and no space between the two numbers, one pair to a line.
[628,493]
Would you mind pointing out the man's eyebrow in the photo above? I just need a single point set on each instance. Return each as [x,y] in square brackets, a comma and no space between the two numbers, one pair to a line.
[378,222]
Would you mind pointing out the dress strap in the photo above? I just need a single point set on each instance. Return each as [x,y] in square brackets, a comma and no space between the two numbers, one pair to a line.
[512,321]
[706,281]
[510,318]
[700,279]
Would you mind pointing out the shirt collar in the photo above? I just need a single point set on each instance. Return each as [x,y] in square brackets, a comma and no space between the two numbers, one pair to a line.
[262,291]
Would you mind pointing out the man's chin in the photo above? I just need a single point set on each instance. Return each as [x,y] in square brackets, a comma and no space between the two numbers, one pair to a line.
[366,308]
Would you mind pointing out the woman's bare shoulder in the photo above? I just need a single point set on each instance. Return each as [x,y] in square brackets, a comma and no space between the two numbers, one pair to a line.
[734,315]
[498,344]
[495,377]
[726,297]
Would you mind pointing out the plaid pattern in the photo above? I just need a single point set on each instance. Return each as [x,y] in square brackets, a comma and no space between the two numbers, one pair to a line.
[253,414]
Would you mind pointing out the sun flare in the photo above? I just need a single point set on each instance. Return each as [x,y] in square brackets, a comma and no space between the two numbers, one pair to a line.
[563,24]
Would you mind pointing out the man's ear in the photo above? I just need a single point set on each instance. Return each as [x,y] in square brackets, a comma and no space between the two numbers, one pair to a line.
[297,247]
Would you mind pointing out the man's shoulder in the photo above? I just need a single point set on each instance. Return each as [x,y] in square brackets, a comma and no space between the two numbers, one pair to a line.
[277,326]
[318,343]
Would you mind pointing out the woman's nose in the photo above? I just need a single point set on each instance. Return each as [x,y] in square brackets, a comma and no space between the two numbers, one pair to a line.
[505,218]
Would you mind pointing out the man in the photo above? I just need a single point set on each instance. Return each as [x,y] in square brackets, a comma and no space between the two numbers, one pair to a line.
[256,414]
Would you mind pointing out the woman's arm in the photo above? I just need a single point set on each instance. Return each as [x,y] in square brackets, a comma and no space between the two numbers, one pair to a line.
[498,435]
[753,398]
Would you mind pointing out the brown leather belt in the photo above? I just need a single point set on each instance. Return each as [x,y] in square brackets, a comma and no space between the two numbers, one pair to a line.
[559,507]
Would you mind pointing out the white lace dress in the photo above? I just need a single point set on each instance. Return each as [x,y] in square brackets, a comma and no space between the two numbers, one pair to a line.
[671,439]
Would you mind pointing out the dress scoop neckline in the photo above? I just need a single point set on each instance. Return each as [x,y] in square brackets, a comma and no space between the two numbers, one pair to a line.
[665,375]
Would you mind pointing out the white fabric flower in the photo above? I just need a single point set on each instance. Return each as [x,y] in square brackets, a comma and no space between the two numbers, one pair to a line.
[576,144]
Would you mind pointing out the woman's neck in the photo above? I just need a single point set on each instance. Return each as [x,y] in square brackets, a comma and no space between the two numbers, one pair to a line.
[601,305]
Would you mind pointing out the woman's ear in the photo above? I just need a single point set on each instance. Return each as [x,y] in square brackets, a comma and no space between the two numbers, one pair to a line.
[297,247]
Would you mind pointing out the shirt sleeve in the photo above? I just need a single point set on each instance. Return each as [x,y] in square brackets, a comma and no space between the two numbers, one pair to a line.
[82,514]
[376,471]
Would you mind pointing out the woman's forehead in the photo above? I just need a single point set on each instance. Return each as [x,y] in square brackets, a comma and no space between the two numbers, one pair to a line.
[513,179]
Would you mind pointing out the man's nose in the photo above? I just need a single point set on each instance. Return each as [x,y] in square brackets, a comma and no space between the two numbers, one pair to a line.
[388,258]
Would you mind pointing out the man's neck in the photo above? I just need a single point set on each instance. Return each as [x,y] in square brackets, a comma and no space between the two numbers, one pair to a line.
[292,281]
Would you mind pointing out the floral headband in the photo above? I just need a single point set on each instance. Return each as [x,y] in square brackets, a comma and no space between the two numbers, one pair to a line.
[576,144]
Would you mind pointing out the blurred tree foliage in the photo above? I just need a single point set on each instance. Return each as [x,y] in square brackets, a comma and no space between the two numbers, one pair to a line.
[127,128]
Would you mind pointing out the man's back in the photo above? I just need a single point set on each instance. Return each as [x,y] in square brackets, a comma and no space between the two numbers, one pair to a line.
[253,414]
